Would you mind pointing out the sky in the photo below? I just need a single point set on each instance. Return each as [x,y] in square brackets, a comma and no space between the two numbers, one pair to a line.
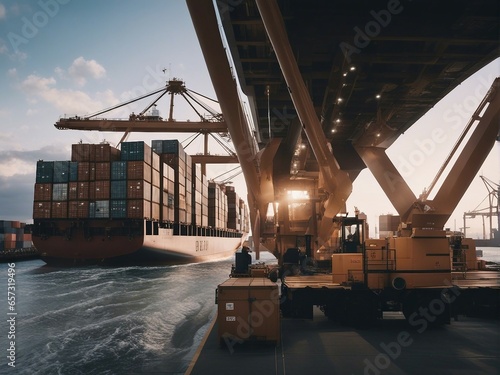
[74,57]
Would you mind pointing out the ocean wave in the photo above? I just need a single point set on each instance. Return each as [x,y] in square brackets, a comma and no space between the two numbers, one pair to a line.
[105,320]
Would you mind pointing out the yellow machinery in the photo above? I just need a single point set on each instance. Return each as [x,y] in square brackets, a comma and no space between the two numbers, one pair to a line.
[412,272]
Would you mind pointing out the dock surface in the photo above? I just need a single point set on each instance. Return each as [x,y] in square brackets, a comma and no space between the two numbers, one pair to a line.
[468,346]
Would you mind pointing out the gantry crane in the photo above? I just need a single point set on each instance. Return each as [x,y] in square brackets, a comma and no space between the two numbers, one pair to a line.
[493,209]
[149,120]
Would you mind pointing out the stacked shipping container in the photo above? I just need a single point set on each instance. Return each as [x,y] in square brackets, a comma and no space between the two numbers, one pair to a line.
[217,206]
[200,197]
[141,182]
[14,235]
[173,162]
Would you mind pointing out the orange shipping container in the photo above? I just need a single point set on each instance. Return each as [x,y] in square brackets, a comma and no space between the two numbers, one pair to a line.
[138,209]
[86,171]
[59,210]
[10,237]
[72,190]
[43,192]
[155,211]
[138,170]
[155,194]
[104,152]
[155,161]
[155,178]
[138,189]
[165,214]
[99,190]
[80,152]
[9,245]
[41,210]
[16,224]
[102,171]
[83,190]
[78,209]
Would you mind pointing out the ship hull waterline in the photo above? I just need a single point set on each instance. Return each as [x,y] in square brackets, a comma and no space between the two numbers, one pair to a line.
[163,247]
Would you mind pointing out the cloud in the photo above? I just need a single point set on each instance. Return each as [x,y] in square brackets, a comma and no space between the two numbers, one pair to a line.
[35,83]
[16,200]
[17,178]
[21,162]
[82,69]
[3,12]
[67,101]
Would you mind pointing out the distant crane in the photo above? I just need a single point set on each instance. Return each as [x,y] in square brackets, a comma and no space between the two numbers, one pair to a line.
[492,210]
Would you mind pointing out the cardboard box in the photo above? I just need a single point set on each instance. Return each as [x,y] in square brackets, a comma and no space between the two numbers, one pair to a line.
[248,309]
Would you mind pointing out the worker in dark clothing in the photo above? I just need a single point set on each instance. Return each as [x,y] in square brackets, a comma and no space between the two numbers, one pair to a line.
[245,250]
[243,260]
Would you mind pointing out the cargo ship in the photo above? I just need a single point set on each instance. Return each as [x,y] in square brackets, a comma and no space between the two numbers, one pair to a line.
[140,204]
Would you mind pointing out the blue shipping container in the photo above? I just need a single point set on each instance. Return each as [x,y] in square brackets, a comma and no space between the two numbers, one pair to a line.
[136,151]
[61,171]
[73,171]
[60,192]
[99,210]
[44,172]
[118,209]
[119,189]
[118,170]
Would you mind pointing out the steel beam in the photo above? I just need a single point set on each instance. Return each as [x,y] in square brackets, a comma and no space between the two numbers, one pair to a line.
[337,182]
[214,159]
[472,156]
[207,30]
[389,179]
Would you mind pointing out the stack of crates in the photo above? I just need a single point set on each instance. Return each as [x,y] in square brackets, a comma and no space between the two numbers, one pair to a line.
[248,309]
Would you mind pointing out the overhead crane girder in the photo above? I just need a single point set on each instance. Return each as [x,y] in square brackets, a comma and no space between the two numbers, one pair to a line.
[153,126]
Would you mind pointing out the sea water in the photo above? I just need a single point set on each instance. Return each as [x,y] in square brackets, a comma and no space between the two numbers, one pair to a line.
[106,320]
